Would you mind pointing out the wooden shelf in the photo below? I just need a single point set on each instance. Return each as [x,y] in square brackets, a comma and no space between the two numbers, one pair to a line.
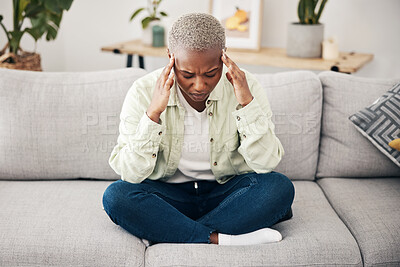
[348,62]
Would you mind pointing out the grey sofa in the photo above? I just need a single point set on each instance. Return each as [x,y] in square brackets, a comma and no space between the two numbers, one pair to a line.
[57,131]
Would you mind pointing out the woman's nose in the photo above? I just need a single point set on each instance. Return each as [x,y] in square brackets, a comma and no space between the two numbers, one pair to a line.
[199,84]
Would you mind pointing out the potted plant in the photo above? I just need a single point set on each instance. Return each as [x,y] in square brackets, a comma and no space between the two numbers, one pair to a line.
[305,37]
[45,18]
[149,21]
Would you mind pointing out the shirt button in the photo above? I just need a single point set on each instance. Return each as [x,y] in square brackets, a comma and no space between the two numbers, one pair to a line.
[160,133]
[238,118]
[154,155]
[210,113]
[212,139]
[208,102]
[215,163]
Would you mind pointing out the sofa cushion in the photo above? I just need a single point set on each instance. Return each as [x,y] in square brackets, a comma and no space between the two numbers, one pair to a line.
[61,223]
[60,125]
[380,122]
[344,152]
[370,209]
[296,102]
[314,236]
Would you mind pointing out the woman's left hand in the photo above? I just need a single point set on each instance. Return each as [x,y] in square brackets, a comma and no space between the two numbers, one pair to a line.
[238,79]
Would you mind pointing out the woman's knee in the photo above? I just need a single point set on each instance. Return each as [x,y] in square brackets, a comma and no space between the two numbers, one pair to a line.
[111,196]
[117,195]
[280,185]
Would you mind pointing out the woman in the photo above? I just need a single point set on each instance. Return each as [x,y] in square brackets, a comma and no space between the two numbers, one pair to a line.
[197,148]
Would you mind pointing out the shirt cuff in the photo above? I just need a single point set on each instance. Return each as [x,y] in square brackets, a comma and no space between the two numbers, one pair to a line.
[248,114]
[150,129]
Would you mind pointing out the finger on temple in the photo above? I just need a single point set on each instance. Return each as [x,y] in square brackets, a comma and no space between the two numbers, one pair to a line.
[170,81]
[167,71]
[229,77]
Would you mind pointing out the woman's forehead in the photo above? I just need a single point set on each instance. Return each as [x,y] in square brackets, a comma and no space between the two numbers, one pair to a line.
[194,59]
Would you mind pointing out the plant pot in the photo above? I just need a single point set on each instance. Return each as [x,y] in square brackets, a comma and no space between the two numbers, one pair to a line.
[305,40]
[24,61]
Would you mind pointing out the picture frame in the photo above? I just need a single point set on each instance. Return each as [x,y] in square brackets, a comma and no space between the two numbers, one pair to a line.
[243,25]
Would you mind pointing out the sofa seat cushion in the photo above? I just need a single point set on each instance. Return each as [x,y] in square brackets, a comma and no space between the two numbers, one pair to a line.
[371,210]
[296,103]
[60,125]
[61,223]
[344,151]
[314,236]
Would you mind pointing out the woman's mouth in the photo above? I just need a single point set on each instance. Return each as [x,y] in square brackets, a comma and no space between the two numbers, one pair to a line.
[198,97]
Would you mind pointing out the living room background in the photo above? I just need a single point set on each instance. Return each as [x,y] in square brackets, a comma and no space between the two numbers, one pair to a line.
[363,26]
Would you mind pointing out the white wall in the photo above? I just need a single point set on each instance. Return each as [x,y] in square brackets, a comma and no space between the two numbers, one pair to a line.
[365,26]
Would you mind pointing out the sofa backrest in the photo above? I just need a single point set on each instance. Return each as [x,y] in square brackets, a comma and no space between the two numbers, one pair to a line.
[60,125]
[344,151]
[296,102]
[65,125]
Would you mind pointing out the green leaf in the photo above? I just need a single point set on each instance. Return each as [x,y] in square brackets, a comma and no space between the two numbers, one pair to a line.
[309,12]
[163,14]
[35,33]
[52,6]
[65,4]
[51,33]
[15,40]
[321,8]
[136,13]
[301,11]
[22,6]
[146,21]
[32,10]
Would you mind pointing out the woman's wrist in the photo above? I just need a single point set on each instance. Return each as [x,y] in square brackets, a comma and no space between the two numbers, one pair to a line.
[154,116]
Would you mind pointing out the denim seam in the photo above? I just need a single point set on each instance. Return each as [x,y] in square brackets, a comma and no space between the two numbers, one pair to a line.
[233,196]
[227,201]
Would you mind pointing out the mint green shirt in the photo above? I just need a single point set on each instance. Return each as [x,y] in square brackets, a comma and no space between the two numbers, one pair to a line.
[242,139]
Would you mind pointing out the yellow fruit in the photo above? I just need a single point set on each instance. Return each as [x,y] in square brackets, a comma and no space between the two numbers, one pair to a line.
[395,144]
[232,23]
[242,28]
[241,14]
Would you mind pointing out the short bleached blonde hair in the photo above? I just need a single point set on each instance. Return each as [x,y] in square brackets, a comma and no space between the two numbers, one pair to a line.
[196,31]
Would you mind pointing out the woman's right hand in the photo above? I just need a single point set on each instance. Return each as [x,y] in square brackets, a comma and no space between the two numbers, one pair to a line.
[161,92]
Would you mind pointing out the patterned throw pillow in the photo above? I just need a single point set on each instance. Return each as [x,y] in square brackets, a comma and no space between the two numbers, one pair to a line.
[380,122]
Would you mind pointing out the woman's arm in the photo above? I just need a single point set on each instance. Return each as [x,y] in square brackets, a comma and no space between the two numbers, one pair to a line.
[259,145]
[135,156]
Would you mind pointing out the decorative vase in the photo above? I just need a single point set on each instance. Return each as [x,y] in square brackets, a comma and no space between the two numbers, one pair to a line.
[158,36]
[147,37]
[305,40]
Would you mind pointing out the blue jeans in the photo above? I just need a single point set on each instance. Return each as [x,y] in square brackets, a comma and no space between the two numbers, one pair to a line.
[189,212]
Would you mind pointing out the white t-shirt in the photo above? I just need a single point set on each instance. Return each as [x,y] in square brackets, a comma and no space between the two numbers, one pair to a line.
[195,157]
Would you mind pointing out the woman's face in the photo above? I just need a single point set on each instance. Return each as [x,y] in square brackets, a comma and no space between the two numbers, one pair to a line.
[197,73]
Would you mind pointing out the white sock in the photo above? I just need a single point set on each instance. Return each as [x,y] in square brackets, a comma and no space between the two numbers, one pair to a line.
[262,236]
